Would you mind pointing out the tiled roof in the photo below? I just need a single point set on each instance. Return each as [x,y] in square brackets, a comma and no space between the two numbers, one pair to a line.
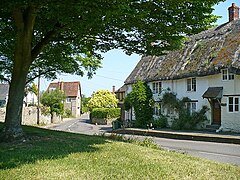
[70,89]
[203,54]
[3,91]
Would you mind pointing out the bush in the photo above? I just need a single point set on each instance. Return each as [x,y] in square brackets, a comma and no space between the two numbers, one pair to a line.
[67,113]
[160,122]
[107,113]
[190,121]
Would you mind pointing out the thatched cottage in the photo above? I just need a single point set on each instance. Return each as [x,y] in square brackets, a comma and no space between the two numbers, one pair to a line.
[206,70]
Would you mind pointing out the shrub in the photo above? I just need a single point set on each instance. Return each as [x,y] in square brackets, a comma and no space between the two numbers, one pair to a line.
[160,122]
[67,113]
[190,121]
[107,113]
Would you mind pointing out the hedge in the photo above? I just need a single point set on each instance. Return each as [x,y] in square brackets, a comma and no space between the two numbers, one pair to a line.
[107,113]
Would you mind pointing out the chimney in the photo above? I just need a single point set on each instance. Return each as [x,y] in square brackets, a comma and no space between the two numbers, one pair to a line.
[61,85]
[113,89]
[233,12]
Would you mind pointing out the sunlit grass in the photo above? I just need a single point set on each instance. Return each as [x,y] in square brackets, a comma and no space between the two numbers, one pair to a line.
[61,155]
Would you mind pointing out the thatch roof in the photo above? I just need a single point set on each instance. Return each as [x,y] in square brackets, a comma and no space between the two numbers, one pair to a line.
[204,54]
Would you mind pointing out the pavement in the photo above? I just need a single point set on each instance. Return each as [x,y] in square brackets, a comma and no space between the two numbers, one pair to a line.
[221,137]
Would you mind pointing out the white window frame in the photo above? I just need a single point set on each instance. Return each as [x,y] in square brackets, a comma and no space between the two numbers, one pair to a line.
[156,87]
[191,85]
[191,107]
[226,75]
[234,104]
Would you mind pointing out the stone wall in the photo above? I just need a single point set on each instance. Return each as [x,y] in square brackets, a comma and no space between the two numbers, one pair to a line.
[29,116]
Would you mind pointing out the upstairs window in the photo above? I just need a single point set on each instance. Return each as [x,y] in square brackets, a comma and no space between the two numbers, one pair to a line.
[156,87]
[191,84]
[233,104]
[226,75]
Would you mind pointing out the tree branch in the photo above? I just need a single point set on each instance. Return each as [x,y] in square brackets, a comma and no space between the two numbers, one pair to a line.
[38,75]
[39,46]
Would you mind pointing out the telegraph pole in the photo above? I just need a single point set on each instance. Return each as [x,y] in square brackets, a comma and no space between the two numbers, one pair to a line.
[38,96]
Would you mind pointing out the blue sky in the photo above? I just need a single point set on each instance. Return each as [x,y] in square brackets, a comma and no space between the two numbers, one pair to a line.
[116,65]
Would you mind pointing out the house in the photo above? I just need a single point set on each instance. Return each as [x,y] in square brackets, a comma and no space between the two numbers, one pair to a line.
[72,91]
[206,70]
[3,94]
[29,99]
[120,95]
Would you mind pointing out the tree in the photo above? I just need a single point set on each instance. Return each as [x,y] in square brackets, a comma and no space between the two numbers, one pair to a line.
[142,101]
[102,99]
[48,37]
[54,99]
[84,102]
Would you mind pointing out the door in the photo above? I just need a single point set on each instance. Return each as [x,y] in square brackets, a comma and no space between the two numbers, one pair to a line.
[216,112]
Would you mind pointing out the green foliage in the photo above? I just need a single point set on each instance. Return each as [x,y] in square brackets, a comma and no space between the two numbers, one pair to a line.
[102,99]
[188,121]
[107,113]
[84,102]
[160,122]
[34,89]
[45,110]
[54,99]
[67,113]
[141,100]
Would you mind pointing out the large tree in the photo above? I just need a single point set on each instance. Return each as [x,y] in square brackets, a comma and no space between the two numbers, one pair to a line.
[47,36]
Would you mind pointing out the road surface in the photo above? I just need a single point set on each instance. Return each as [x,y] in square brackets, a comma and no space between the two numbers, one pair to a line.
[221,152]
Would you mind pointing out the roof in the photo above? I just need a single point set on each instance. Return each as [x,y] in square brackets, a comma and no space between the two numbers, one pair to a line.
[213,92]
[203,54]
[122,89]
[71,89]
[3,91]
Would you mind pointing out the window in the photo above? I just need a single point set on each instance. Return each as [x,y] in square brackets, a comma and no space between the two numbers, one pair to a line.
[233,104]
[191,107]
[226,75]
[157,86]
[191,84]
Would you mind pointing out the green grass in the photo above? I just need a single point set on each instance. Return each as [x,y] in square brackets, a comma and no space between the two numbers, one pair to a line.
[59,155]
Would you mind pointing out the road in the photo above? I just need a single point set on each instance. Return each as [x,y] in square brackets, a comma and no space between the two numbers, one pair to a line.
[220,152]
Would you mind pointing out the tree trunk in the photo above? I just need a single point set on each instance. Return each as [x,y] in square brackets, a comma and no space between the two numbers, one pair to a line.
[24,20]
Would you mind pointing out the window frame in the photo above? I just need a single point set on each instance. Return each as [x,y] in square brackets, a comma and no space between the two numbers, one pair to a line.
[191,84]
[227,76]
[157,87]
[191,107]
[234,104]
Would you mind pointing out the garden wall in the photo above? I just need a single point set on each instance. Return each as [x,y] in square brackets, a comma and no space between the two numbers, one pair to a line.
[29,116]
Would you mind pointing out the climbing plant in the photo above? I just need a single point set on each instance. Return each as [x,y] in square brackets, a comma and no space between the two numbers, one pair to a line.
[142,101]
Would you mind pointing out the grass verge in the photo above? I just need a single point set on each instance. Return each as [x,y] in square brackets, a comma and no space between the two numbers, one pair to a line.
[60,155]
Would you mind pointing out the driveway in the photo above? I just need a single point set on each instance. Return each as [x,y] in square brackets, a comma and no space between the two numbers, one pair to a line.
[220,152]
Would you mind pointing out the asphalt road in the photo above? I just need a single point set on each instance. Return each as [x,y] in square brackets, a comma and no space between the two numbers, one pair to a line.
[220,152]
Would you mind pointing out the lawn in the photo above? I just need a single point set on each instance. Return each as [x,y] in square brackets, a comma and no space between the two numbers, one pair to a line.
[60,155]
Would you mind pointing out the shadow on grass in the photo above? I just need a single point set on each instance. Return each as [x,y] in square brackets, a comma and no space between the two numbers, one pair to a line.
[45,144]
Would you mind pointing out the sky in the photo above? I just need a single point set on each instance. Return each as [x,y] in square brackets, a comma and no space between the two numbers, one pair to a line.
[116,65]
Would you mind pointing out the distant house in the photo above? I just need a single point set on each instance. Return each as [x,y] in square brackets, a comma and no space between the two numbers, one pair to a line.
[29,99]
[72,91]
[3,94]
[120,95]
[206,70]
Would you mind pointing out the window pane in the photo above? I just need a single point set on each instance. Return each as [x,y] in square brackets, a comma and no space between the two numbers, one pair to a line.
[230,100]
[236,104]
[230,108]
[224,74]
[189,85]
[194,107]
